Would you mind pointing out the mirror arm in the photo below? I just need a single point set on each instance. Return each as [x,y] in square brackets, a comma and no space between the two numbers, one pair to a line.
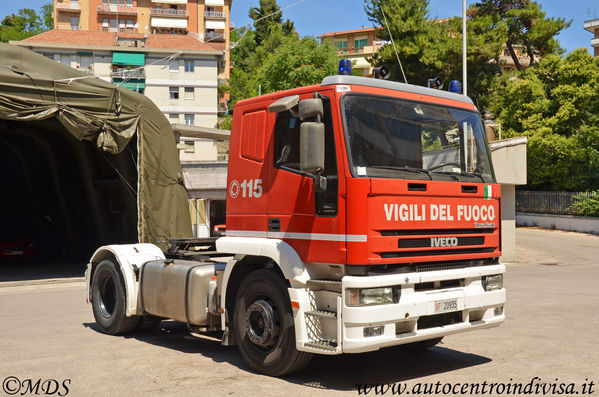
[320,182]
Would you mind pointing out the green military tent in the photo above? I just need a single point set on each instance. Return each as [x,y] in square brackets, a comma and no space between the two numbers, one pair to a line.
[41,99]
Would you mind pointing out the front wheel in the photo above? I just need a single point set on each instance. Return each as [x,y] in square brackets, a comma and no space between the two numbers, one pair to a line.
[109,300]
[264,325]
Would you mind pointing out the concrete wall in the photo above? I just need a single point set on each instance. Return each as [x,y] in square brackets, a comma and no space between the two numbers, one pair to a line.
[582,224]
[509,162]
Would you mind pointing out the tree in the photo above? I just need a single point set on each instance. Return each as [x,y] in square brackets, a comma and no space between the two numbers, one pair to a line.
[262,26]
[296,63]
[556,105]
[47,18]
[273,57]
[527,25]
[430,48]
[25,23]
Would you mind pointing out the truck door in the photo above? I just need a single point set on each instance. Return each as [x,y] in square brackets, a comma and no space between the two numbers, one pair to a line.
[312,223]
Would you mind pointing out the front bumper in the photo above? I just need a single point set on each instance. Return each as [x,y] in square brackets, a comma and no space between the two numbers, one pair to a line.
[413,318]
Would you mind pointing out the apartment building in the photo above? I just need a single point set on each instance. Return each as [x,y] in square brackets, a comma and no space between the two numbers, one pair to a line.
[356,45]
[593,27]
[208,21]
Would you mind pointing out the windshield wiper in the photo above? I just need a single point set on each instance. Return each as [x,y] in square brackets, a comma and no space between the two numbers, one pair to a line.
[462,173]
[404,168]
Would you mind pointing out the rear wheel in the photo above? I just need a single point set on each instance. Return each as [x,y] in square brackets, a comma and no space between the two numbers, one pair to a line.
[264,325]
[109,300]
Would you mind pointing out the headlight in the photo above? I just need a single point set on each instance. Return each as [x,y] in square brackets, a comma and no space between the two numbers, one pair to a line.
[492,283]
[373,296]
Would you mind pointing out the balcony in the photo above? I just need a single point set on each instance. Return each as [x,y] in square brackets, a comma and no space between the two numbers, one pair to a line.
[215,14]
[116,30]
[71,7]
[66,26]
[114,9]
[595,42]
[214,36]
[121,73]
[168,12]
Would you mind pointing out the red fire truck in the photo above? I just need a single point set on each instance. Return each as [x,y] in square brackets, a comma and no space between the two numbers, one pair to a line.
[361,214]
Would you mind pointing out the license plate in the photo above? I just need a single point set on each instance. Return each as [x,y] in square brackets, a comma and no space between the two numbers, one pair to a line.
[448,305]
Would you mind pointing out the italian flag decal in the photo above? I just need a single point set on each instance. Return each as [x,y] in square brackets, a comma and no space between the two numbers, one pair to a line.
[488,191]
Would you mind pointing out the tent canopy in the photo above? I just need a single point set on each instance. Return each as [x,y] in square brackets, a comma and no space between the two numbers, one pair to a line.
[34,88]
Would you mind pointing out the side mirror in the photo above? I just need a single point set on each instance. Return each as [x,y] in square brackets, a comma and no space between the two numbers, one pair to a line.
[311,147]
[310,108]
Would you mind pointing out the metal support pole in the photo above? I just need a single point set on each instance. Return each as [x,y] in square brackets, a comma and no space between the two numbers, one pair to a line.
[464,76]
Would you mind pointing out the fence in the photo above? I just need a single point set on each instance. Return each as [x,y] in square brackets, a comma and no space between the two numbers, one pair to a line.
[558,203]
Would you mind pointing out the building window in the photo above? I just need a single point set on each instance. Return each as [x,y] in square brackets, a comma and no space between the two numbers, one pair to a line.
[174,66]
[189,93]
[173,117]
[361,43]
[74,23]
[189,66]
[341,45]
[189,119]
[173,92]
[129,3]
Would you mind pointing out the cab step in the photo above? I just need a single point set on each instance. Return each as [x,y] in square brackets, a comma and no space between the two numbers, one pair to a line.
[322,313]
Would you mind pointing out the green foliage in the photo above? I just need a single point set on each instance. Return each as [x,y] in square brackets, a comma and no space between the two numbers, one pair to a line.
[527,25]
[226,123]
[556,105]
[434,48]
[296,63]
[26,23]
[272,57]
[263,26]
[586,205]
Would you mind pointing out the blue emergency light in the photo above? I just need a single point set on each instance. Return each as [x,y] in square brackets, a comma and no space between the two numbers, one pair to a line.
[345,66]
[455,86]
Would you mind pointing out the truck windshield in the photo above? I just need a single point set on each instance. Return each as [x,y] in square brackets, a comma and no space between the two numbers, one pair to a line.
[395,138]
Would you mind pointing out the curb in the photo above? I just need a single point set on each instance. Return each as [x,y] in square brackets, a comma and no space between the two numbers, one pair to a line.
[48,281]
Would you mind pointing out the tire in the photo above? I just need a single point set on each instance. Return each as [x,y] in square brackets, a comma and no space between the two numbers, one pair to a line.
[109,300]
[147,323]
[423,344]
[263,325]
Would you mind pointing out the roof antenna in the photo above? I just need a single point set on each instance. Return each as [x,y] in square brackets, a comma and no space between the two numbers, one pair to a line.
[394,47]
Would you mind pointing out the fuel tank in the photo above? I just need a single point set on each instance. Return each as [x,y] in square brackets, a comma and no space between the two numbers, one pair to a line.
[177,289]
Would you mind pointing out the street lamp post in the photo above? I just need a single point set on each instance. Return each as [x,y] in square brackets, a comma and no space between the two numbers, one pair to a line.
[464,77]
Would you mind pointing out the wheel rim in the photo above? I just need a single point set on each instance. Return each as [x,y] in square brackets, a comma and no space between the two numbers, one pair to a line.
[262,324]
[107,297]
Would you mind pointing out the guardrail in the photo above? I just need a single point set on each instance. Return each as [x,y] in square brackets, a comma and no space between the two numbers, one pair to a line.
[113,9]
[213,36]
[538,202]
[68,6]
[214,14]
[168,12]
[124,73]
[116,30]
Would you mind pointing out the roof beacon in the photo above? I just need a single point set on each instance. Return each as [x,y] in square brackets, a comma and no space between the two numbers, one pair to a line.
[455,86]
[345,67]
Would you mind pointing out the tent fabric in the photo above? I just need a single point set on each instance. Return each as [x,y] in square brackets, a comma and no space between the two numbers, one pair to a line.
[33,87]
[128,58]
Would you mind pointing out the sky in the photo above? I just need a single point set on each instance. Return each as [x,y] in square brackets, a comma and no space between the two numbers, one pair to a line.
[315,17]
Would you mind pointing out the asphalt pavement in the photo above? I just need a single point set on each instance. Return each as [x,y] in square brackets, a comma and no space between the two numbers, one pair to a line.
[47,332]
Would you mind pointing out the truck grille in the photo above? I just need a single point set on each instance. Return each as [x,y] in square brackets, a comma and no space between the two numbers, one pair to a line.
[455,251]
